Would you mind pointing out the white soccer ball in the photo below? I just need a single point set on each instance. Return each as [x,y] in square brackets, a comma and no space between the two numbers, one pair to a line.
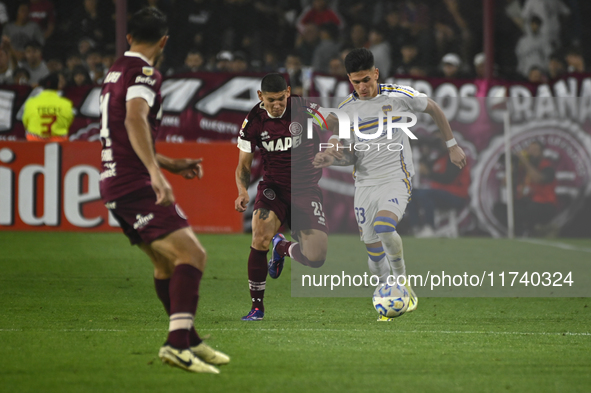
[391,300]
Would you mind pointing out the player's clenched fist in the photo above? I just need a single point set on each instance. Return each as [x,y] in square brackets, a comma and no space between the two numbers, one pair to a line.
[241,203]
[322,160]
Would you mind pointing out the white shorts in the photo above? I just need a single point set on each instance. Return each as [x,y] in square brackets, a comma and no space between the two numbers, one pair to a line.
[370,200]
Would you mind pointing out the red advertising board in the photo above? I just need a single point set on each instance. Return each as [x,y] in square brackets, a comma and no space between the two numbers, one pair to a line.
[54,187]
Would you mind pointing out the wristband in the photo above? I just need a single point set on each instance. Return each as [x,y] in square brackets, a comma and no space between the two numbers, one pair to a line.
[452,142]
[334,137]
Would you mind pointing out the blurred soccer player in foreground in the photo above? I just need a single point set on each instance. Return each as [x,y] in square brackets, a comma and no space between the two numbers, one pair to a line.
[139,197]
[289,191]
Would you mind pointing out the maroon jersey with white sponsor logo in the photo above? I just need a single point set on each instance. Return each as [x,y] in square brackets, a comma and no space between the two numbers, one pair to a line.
[131,76]
[286,150]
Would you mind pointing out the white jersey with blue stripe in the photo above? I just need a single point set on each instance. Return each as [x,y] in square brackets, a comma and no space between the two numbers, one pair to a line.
[376,163]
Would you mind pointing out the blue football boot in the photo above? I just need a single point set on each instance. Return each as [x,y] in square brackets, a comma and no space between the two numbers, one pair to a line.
[254,315]
[276,262]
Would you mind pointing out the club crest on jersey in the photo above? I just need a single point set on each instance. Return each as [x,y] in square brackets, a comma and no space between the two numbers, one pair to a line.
[269,194]
[148,71]
[296,128]
[386,109]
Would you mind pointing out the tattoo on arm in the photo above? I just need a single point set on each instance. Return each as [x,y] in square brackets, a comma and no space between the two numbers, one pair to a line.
[263,213]
[245,177]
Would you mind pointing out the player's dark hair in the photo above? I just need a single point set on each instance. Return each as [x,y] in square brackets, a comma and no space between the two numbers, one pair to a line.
[148,25]
[273,83]
[359,59]
[34,44]
[51,81]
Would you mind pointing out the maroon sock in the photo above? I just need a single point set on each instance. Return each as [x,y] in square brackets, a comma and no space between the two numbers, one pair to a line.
[162,290]
[257,277]
[282,248]
[184,295]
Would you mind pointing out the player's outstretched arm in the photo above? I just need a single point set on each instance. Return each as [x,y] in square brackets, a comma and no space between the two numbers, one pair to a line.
[456,154]
[138,130]
[243,180]
[188,168]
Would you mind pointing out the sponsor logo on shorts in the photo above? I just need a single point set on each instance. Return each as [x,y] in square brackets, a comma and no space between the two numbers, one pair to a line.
[296,128]
[141,221]
[269,193]
[111,205]
[180,212]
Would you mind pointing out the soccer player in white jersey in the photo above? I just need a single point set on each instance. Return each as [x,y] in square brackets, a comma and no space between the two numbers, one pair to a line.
[382,177]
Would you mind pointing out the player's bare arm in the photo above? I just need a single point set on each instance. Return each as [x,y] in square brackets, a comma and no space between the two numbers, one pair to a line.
[456,154]
[138,130]
[325,158]
[189,168]
[243,180]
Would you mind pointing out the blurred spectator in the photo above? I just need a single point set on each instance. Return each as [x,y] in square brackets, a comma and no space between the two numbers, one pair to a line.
[575,60]
[514,11]
[3,14]
[238,27]
[42,12]
[357,11]
[89,23]
[85,45]
[448,189]
[55,65]
[536,75]
[396,34]
[20,76]
[549,12]
[327,48]
[410,58]
[451,30]
[380,48]
[535,191]
[223,61]
[195,24]
[239,63]
[47,116]
[6,67]
[306,44]
[451,66]
[94,63]
[108,60]
[22,31]
[270,62]
[72,60]
[358,37]
[80,77]
[193,63]
[318,14]
[479,63]
[34,63]
[336,67]
[556,67]
[533,48]
[293,67]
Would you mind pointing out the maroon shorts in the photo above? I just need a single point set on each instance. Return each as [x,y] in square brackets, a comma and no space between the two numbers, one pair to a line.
[300,210]
[142,220]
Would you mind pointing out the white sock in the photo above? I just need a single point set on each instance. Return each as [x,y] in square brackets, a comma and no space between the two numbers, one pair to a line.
[380,268]
[392,244]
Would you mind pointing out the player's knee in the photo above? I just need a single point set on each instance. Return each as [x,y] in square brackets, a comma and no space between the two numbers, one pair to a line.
[383,224]
[261,240]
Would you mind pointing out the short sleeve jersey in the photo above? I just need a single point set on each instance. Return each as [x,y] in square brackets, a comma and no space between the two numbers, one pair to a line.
[286,150]
[131,76]
[376,165]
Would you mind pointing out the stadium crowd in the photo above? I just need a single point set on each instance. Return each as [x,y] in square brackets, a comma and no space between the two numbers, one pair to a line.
[535,40]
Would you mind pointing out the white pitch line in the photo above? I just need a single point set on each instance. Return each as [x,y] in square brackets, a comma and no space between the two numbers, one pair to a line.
[315,330]
[561,245]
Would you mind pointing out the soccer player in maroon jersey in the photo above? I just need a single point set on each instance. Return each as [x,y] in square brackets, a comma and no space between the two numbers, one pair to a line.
[289,191]
[138,195]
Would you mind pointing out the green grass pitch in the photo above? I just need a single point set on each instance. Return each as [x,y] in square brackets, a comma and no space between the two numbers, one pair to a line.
[79,314]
